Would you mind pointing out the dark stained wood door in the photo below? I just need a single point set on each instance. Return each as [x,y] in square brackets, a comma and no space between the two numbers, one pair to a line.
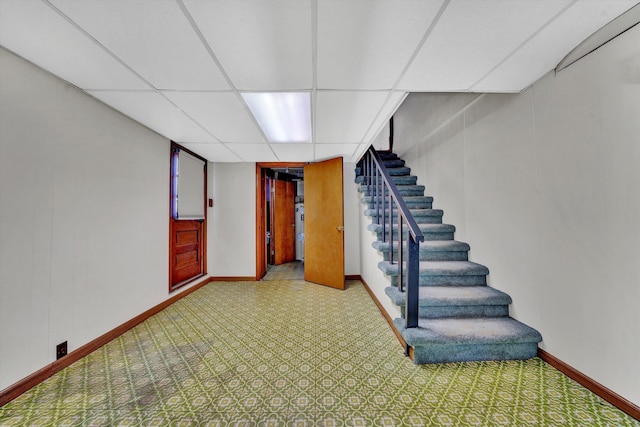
[284,232]
[186,251]
[324,223]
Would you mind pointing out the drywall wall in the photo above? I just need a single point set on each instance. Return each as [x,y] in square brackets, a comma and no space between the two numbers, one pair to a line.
[231,236]
[83,218]
[544,186]
[351,221]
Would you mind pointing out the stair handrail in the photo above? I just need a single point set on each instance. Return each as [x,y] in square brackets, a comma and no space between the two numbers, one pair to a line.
[373,169]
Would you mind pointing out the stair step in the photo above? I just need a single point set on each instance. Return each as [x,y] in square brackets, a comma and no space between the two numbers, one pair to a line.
[393,163]
[430,231]
[442,273]
[404,190]
[437,302]
[396,179]
[430,250]
[386,155]
[397,171]
[470,339]
[421,216]
[412,202]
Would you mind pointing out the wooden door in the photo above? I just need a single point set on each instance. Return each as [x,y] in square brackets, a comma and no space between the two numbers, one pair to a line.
[186,251]
[324,223]
[284,222]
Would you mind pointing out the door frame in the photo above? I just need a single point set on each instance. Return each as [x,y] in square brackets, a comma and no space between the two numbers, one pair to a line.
[261,218]
[203,240]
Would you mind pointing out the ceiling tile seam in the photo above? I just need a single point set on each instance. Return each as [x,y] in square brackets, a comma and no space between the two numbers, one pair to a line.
[415,53]
[523,44]
[86,34]
[422,41]
[314,70]
[389,113]
[203,40]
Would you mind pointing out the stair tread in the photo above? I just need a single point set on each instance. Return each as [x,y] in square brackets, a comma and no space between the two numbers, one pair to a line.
[491,330]
[414,212]
[363,188]
[453,296]
[440,268]
[433,228]
[430,245]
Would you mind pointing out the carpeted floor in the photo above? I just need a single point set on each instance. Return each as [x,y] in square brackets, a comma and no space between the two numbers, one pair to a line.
[288,271]
[290,353]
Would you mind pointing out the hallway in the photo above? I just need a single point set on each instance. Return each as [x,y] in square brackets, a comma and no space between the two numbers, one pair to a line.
[286,352]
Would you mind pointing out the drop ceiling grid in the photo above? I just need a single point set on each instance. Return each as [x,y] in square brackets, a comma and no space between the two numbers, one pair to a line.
[344,117]
[471,38]
[327,151]
[367,44]
[36,32]
[156,112]
[294,152]
[213,152]
[253,152]
[153,38]
[262,46]
[562,35]
[221,113]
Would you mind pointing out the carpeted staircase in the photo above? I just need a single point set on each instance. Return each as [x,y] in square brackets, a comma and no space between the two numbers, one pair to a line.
[460,317]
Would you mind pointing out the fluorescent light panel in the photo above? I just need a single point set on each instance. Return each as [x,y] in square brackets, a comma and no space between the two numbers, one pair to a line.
[283,116]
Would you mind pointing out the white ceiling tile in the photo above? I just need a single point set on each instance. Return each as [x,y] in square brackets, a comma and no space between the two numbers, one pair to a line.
[362,148]
[345,117]
[293,152]
[37,33]
[213,152]
[471,38]
[365,44]
[221,113]
[543,53]
[253,152]
[153,37]
[261,45]
[329,151]
[157,113]
[387,111]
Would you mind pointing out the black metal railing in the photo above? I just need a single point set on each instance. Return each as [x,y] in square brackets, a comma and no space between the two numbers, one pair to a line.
[386,197]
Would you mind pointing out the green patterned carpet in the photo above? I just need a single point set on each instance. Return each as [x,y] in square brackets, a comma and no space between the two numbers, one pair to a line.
[289,353]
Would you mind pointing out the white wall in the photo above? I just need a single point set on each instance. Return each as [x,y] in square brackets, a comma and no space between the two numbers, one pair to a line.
[351,221]
[83,218]
[231,237]
[545,187]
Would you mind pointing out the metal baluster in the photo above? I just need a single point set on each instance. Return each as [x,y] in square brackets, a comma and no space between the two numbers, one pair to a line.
[384,217]
[400,274]
[377,190]
[413,290]
[390,219]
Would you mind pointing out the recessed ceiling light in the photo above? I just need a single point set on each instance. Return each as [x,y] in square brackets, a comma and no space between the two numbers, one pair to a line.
[283,116]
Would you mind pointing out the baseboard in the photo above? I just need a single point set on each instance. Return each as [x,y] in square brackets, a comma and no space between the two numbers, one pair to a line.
[592,385]
[385,315]
[15,390]
[353,277]
[234,279]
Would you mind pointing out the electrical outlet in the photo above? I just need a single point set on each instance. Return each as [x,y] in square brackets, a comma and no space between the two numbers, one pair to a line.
[61,350]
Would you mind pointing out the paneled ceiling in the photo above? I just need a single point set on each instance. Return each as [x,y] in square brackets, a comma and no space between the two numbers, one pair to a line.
[179,67]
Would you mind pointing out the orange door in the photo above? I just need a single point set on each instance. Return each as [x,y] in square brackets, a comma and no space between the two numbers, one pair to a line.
[284,232]
[324,223]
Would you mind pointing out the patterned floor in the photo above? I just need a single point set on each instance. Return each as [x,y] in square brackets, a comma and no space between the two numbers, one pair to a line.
[289,353]
[288,271]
